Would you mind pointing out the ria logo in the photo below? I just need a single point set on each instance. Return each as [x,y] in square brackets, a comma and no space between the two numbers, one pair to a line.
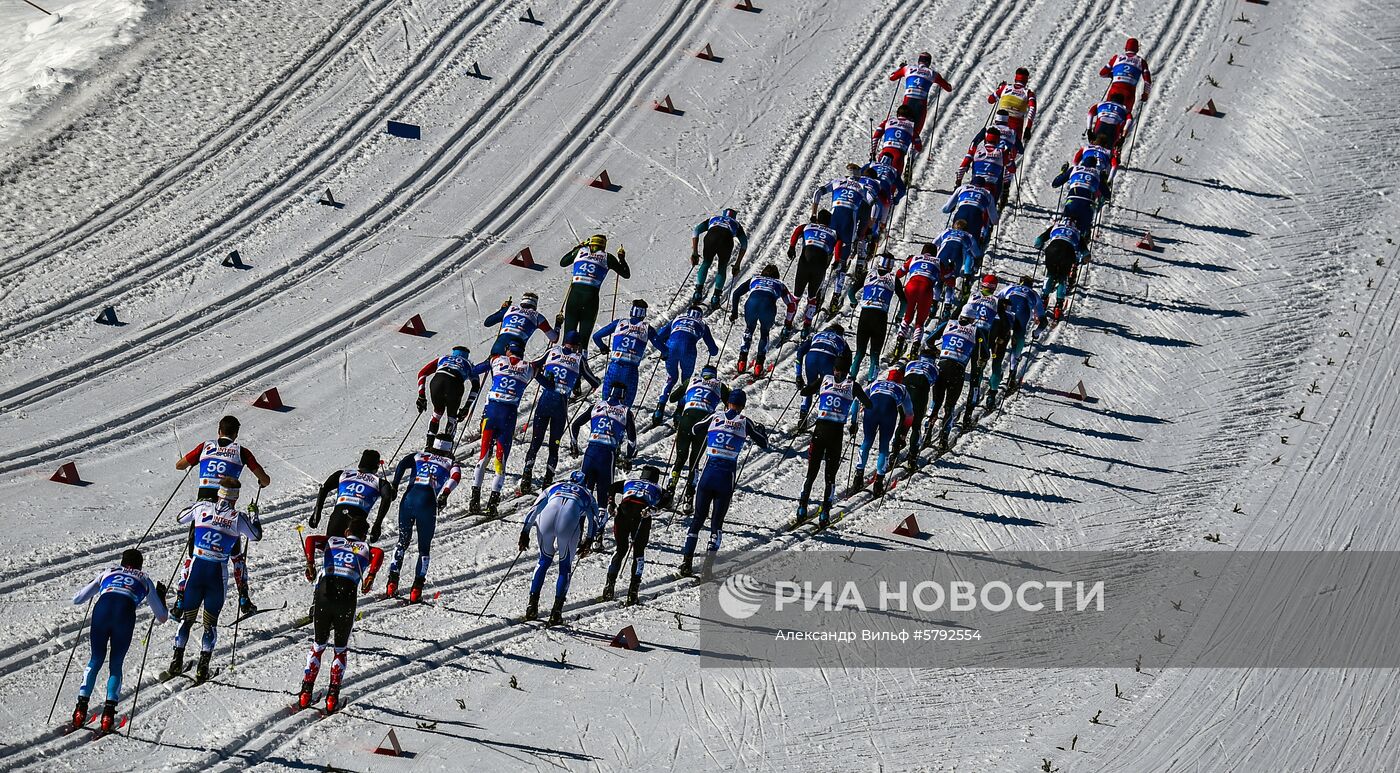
[740,597]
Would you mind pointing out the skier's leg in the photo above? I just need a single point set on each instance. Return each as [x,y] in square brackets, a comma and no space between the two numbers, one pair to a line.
[722,495]
[544,531]
[427,525]
[766,318]
[405,536]
[100,633]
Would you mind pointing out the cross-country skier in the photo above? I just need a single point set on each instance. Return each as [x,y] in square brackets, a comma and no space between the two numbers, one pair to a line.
[1022,306]
[432,475]
[920,375]
[1109,117]
[890,188]
[818,355]
[821,248]
[590,263]
[956,344]
[889,408]
[1126,70]
[216,459]
[632,528]
[1084,188]
[1064,247]
[761,310]
[560,515]
[510,375]
[916,81]
[879,292]
[119,591]
[975,205]
[836,395]
[696,400]
[895,137]
[218,526]
[985,310]
[356,491]
[518,323]
[680,339]
[723,233]
[609,423]
[1105,158]
[990,160]
[625,343]
[444,379]
[346,559]
[848,197]
[568,366]
[1018,100]
[725,432]
[922,283]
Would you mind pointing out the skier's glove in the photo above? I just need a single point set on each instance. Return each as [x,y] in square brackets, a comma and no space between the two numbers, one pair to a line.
[374,533]
[734,316]
[367,584]
[442,500]
[957,181]
[851,429]
[524,541]
[422,403]
[801,383]
[253,510]
[694,258]
[505,304]
[734,269]
[161,591]
[792,252]
[573,449]
[622,253]
[310,571]
[314,521]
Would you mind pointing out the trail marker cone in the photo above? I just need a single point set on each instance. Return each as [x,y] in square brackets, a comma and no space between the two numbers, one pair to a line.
[626,639]
[234,260]
[604,182]
[524,259]
[394,749]
[1079,393]
[708,54]
[665,106]
[415,327]
[329,200]
[1209,109]
[476,72]
[529,17]
[408,131]
[909,527]
[108,316]
[1146,242]
[270,400]
[747,5]
[68,473]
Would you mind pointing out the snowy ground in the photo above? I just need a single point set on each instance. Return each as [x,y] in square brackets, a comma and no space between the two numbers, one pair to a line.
[219,126]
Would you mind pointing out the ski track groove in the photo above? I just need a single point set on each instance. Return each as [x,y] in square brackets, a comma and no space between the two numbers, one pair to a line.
[248,120]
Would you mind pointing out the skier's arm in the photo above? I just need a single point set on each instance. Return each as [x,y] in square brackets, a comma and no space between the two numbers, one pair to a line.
[631,430]
[376,558]
[897,74]
[702,427]
[861,396]
[405,465]
[309,546]
[817,197]
[908,406]
[454,477]
[1107,70]
[189,459]
[739,293]
[709,339]
[600,336]
[942,82]
[899,291]
[550,333]
[249,526]
[758,432]
[701,227]
[618,263]
[494,318]
[724,393]
[991,210]
[186,515]
[743,239]
[586,373]
[423,373]
[386,496]
[578,424]
[88,591]
[952,199]
[792,240]
[1146,82]
[568,258]
[332,483]
[155,602]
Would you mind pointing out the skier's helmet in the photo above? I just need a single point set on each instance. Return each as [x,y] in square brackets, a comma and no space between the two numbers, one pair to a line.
[462,351]
[442,444]
[884,263]
[597,242]
[771,271]
[896,375]
[359,527]
[515,348]
[651,473]
[529,300]
[369,460]
[989,284]
[639,310]
[1131,46]
[573,339]
[965,317]
[617,391]
[730,212]
[1026,280]
[132,558]
[578,477]
[842,367]
[905,111]
[738,399]
[925,58]
[708,371]
[993,135]
[695,310]
[228,489]
[1022,75]
[836,328]
[824,217]
[1089,162]
[929,249]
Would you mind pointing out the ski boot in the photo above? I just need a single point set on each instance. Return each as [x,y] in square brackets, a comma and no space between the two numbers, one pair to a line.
[824,516]
[967,420]
[943,440]
[532,608]
[991,399]
[608,590]
[201,669]
[556,615]
[802,512]
[633,587]
[716,299]
[898,348]
[859,485]
[304,697]
[758,367]
[245,605]
[879,484]
[474,507]
[658,416]
[802,418]
[687,566]
[391,588]
[415,594]
[109,717]
[493,505]
[177,663]
[548,476]
[332,698]
[743,364]
[80,712]
[527,482]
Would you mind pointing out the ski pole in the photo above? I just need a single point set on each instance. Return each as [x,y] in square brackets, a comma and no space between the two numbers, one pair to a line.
[71,652]
[398,448]
[499,584]
[145,648]
[246,546]
[162,507]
